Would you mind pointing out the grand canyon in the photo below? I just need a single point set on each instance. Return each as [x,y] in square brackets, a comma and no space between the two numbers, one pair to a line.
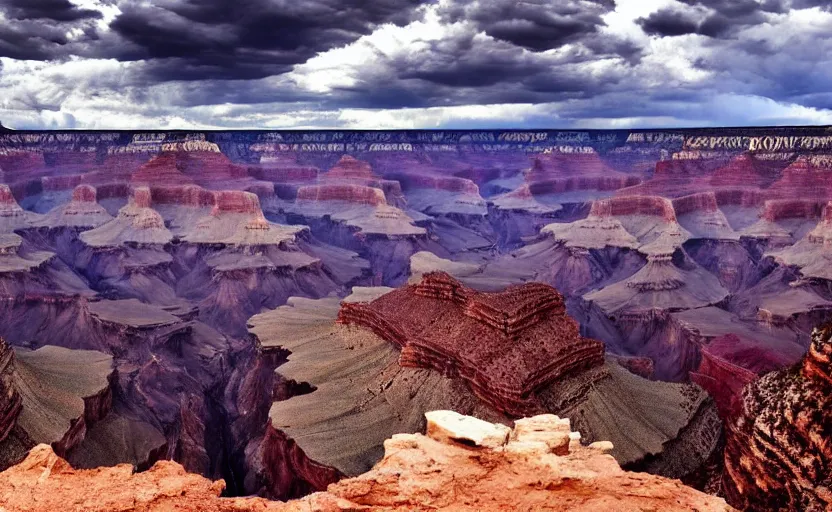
[416,320]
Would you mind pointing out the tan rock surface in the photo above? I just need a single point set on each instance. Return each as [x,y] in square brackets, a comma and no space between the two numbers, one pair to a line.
[417,473]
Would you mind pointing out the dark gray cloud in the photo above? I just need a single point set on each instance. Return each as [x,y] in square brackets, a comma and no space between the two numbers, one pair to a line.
[243,63]
[246,39]
[54,10]
[670,22]
[537,25]
[37,29]
[718,18]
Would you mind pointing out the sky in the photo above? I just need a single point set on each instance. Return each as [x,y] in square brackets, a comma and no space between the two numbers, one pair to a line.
[409,64]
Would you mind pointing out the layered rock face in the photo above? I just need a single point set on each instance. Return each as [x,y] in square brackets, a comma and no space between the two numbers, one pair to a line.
[462,463]
[777,453]
[12,402]
[339,377]
[47,400]
[729,363]
[694,255]
[439,323]
[348,193]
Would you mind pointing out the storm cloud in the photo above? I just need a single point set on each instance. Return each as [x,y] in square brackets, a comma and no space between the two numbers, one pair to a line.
[412,63]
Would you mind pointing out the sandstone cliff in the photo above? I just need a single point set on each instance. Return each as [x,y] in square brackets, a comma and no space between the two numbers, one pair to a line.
[778,455]
[462,464]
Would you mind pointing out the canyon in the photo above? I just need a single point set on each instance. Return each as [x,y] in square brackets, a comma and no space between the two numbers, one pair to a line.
[268,308]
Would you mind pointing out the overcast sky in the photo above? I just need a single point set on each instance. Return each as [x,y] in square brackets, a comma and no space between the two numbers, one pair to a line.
[414,64]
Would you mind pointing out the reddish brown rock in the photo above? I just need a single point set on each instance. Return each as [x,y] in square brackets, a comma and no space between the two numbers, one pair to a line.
[348,193]
[635,205]
[349,167]
[162,170]
[566,165]
[84,194]
[747,198]
[11,402]
[721,378]
[677,177]
[746,170]
[641,366]
[559,173]
[236,201]
[188,195]
[776,210]
[8,204]
[505,345]
[142,197]
[778,453]
[701,202]
[535,466]
[807,177]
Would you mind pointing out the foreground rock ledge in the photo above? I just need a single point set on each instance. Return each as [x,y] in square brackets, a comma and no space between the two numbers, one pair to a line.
[464,464]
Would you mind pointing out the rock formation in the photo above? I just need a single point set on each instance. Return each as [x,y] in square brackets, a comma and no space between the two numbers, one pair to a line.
[12,402]
[693,255]
[729,363]
[777,453]
[51,395]
[531,341]
[136,223]
[462,463]
[338,377]
[82,211]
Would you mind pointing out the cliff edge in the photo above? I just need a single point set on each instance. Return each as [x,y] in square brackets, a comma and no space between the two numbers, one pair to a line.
[461,464]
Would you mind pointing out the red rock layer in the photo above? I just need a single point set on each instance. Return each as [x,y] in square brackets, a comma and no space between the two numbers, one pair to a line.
[740,197]
[555,173]
[209,167]
[349,167]
[641,366]
[722,379]
[236,201]
[635,205]
[675,170]
[505,345]
[743,171]
[84,194]
[566,165]
[116,168]
[163,170]
[778,453]
[775,210]
[142,197]
[289,471]
[8,204]
[673,178]
[11,403]
[17,165]
[188,195]
[350,193]
[701,202]
[803,179]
